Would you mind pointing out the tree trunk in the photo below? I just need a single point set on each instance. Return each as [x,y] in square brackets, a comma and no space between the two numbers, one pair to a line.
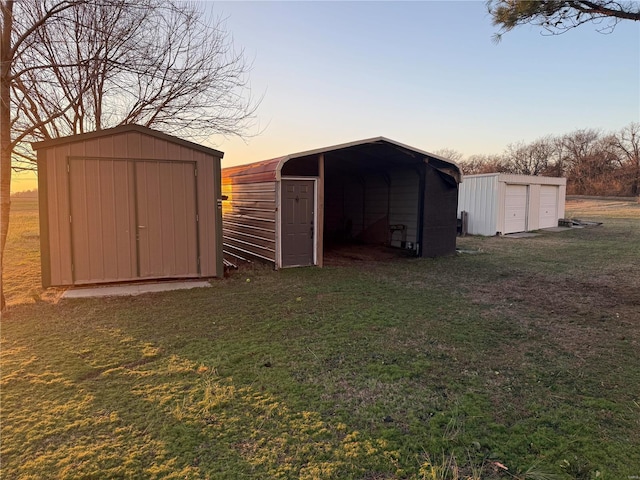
[5,135]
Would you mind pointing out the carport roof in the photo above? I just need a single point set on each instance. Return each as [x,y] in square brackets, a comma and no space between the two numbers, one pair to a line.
[375,149]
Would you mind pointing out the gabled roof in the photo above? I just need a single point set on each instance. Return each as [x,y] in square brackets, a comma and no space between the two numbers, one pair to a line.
[375,149]
[126,129]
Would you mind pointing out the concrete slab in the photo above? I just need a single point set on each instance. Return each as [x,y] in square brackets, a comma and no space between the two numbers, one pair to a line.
[132,289]
[556,229]
[521,235]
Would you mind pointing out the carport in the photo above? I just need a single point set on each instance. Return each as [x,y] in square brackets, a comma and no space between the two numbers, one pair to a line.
[291,209]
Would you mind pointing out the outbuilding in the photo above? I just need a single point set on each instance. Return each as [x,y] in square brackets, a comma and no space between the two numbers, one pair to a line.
[500,203]
[127,204]
[289,210]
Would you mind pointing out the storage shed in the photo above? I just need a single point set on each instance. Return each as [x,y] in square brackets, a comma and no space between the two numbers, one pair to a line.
[126,204]
[500,203]
[289,210]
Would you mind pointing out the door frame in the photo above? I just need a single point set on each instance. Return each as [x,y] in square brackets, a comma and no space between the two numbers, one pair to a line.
[314,260]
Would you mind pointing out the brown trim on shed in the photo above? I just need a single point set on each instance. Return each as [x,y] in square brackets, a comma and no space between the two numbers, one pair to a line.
[127,129]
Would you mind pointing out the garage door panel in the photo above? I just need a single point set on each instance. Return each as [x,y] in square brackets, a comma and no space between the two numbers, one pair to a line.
[548,206]
[515,217]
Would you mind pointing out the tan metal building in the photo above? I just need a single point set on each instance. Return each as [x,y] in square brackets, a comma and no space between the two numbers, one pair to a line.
[126,204]
[289,210]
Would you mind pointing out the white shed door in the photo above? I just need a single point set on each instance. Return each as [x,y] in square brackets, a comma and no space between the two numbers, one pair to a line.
[515,208]
[548,206]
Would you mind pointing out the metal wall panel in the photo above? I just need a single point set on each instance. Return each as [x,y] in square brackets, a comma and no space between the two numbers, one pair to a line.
[439,222]
[478,196]
[102,221]
[376,210]
[353,206]
[403,204]
[166,219]
[249,219]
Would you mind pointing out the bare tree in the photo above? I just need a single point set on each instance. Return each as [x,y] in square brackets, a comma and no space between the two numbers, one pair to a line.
[450,154]
[626,143]
[478,164]
[530,159]
[591,163]
[72,66]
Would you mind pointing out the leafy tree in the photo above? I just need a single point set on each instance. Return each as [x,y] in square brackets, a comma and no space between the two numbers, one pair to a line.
[73,66]
[559,16]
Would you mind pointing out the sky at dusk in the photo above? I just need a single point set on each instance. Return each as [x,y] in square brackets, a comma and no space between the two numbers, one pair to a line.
[426,74]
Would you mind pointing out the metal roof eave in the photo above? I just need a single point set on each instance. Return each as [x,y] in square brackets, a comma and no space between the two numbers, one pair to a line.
[123,129]
[318,151]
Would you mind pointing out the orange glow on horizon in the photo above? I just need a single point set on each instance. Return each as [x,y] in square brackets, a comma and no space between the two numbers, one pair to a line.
[23,181]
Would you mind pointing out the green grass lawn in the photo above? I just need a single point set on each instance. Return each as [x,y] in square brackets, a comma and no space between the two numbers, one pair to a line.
[523,355]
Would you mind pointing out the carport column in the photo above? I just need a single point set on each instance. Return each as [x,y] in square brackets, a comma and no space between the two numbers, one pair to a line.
[320,214]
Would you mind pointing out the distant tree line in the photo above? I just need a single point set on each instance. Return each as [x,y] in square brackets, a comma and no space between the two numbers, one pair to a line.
[26,194]
[594,162]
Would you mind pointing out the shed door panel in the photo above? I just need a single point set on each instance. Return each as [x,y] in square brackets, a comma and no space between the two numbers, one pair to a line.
[297,222]
[515,208]
[166,213]
[548,206]
[102,220]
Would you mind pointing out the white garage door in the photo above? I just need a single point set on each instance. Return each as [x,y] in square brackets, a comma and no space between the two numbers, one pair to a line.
[548,206]
[515,209]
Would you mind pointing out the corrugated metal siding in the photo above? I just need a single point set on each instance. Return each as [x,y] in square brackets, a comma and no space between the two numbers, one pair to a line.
[478,195]
[376,210]
[103,220]
[58,210]
[166,217]
[249,219]
[403,208]
[353,206]
[343,208]
[439,227]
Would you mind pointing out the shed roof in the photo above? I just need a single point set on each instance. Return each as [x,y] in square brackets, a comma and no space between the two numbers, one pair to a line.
[126,129]
[376,150]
